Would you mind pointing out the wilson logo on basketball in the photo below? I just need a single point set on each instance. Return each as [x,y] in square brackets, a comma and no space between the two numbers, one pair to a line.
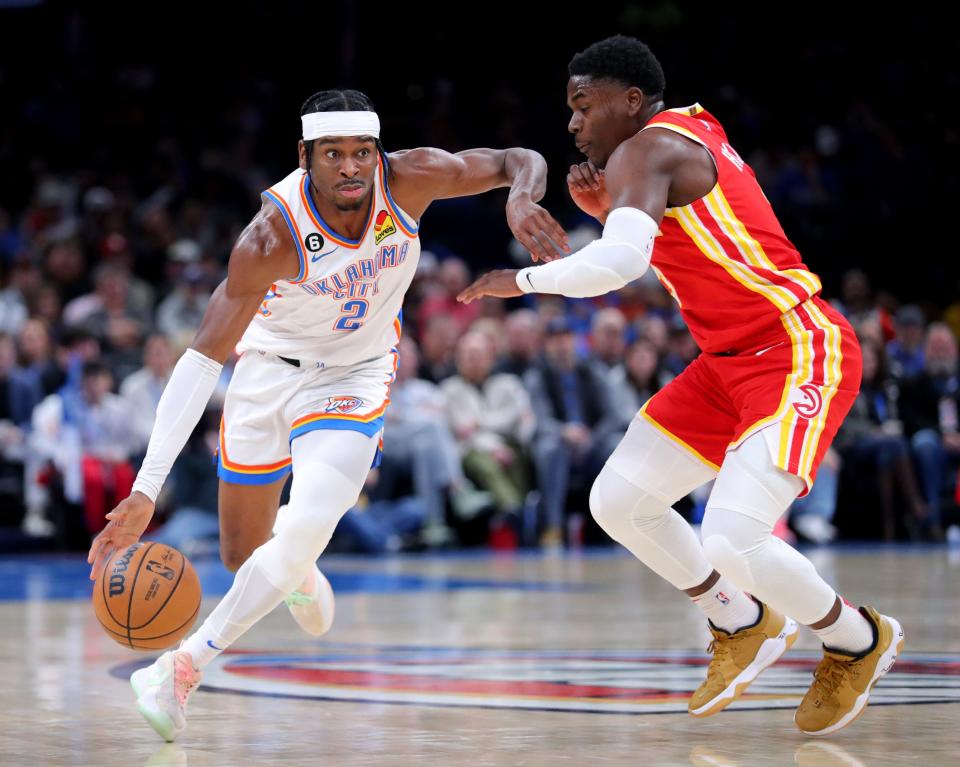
[342,405]
[384,226]
[118,578]
[811,402]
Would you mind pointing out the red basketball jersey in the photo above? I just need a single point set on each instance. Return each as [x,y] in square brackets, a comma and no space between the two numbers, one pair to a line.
[725,257]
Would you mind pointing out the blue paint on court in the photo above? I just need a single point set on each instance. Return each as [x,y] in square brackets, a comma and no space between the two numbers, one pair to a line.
[42,577]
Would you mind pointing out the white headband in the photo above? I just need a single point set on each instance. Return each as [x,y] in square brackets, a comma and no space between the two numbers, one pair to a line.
[318,124]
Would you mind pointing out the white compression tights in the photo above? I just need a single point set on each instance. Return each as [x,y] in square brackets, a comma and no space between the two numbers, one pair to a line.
[329,468]
[631,500]
[748,498]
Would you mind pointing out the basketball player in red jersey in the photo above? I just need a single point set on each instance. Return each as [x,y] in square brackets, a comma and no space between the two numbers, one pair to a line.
[755,412]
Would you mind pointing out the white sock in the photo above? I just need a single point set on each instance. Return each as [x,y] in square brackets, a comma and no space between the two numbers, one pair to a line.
[850,633]
[727,607]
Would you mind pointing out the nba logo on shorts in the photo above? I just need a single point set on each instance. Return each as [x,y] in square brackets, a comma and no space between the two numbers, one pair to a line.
[810,401]
[342,405]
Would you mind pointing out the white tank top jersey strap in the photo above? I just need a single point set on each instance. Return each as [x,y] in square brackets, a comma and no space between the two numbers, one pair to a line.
[344,304]
[338,321]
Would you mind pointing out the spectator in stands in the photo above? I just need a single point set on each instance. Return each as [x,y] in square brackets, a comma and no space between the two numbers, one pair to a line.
[577,426]
[438,343]
[86,434]
[872,437]
[905,351]
[523,341]
[634,381]
[13,307]
[492,421]
[419,444]
[929,404]
[20,391]
[36,355]
[454,276]
[608,337]
[181,312]
[141,390]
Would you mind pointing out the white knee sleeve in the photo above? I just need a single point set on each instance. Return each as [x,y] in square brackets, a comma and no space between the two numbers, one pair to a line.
[616,503]
[647,458]
[652,531]
[329,471]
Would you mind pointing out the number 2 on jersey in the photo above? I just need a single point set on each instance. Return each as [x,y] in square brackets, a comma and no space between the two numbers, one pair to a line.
[354,313]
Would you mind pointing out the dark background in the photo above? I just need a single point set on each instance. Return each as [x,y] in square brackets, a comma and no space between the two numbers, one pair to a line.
[847,119]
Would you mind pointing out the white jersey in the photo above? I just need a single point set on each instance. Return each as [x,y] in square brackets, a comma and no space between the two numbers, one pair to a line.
[344,306]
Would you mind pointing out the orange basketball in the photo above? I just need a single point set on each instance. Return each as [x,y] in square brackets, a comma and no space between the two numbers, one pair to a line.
[147,596]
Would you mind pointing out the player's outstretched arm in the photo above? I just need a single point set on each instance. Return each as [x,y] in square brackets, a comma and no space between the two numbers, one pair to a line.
[637,181]
[259,258]
[420,176]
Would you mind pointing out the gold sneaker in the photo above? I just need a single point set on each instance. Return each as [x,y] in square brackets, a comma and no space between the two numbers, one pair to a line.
[842,682]
[739,658]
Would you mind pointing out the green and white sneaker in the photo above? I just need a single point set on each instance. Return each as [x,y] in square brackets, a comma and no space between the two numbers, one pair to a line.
[312,605]
[162,690]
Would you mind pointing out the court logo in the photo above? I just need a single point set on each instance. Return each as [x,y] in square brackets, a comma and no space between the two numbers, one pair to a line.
[342,405]
[597,681]
[383,227]
[810,403]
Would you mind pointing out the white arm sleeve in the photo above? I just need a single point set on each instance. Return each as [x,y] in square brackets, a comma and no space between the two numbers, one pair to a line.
[184,398]
[620,256]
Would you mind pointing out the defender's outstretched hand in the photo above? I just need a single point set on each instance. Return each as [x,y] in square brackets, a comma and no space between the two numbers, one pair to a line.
[501,283]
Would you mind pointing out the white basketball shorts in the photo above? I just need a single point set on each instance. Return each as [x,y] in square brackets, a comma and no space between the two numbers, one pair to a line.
[270,403]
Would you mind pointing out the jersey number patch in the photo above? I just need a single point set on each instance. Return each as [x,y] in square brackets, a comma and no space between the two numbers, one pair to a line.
[314,242]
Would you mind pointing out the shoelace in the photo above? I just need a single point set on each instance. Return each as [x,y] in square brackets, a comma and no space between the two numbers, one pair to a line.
[828,676]
[185,677]
[298,599]
[720,648]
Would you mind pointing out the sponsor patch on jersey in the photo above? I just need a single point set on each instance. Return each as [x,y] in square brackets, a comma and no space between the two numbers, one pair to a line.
[342,405]
[383,226]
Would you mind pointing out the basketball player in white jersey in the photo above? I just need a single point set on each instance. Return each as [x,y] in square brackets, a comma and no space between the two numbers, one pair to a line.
[312,301]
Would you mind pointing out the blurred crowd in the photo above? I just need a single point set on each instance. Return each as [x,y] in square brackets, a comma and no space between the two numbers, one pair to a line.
[502,412]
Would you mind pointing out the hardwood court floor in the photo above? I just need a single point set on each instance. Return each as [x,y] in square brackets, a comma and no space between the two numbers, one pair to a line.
[475,660]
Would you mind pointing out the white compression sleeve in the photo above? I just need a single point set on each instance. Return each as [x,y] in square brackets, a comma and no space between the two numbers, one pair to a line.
[186,395]
[620,256]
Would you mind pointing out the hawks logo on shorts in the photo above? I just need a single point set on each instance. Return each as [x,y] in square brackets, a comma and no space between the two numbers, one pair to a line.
[342,405]
[810,401]
[384,226]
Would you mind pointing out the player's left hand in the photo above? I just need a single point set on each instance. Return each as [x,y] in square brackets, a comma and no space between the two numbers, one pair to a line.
[501,283]
[536,229]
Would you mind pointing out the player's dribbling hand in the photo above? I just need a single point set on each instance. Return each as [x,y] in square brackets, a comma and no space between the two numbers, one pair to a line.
[588,190]
[501,283]
[127,523]
[536,229]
